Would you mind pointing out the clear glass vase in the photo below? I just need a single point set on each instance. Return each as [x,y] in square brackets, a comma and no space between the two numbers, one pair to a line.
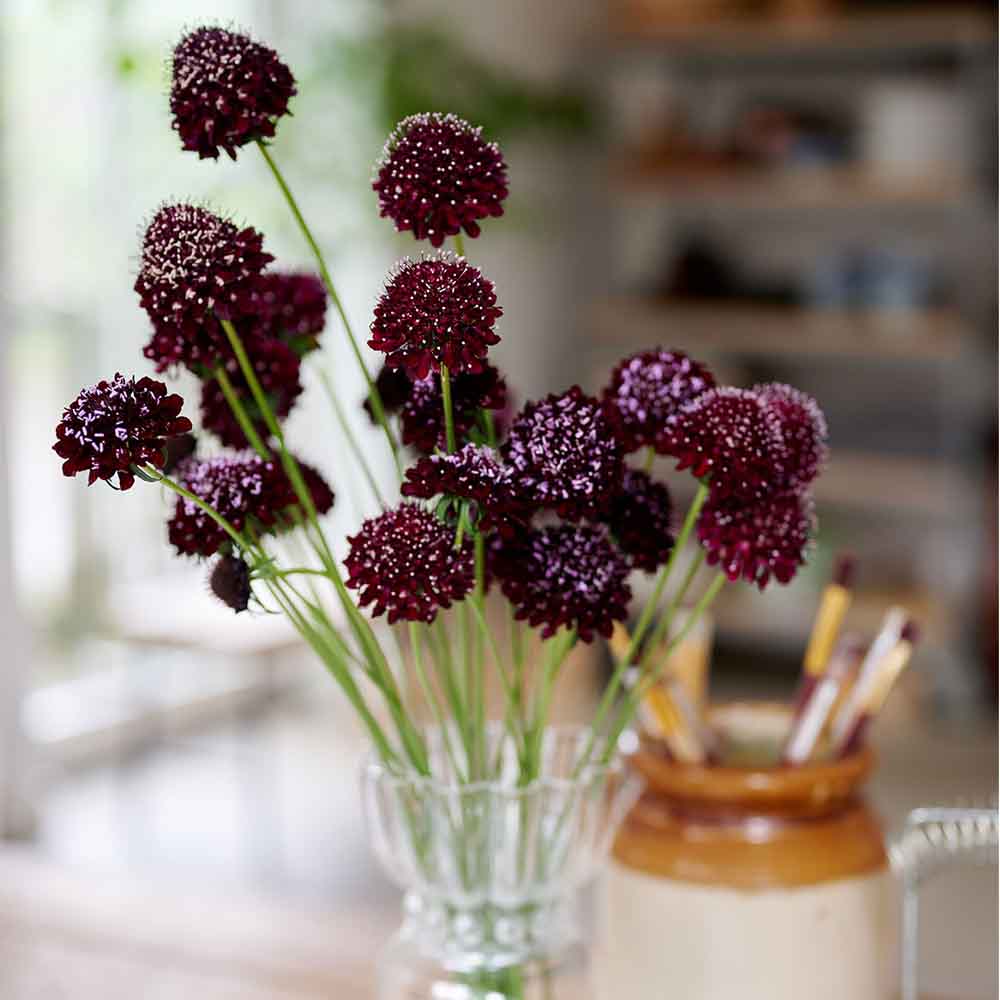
[492,871]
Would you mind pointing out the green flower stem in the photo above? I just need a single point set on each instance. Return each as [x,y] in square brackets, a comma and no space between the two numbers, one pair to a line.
[662,629]
[645,619]
[239,411]
[636,695]
[373,393]
[352,442]
[449,417]
[459,244]
[431,698]
[647,466]
[441,651]
[479,604]
[558,649]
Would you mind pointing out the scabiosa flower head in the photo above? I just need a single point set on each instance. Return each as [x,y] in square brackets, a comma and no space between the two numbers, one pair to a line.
[438,176]
[472,473]
[437,310]
[759,540]
[405,563]
[114,425]
[246,490]
[422,417]
[647,391]
[177,449]
[227,90]
[804,428]
[641,520]
[732,436]
[291,305]
[394,387]
[565,455]
[230,582]
[195,269]
[565,575]
[277,369]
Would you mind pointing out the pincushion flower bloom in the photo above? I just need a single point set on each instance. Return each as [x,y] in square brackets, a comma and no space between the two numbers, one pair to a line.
[277,368]
[421,419]
[803,427]
[290,306]
[641,520]
[733,437]
[226,90]
[404,562]
[434,311]
[117,424]
[195,269]
[646,392]
[758,541]
[471,473]
[564,455]
[394,387]
[246,490]
[437,176]
[566,575]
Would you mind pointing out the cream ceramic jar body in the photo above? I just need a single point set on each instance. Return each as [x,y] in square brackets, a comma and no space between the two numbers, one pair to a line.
[662,939]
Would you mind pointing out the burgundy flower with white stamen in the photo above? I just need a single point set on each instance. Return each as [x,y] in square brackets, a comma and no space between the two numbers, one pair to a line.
[195,269]
[733,437]
[758,541]
[641,520]
[421,419]
[434,311]
[404,562]
[226,90]
[277,369]
[566,575]
[291,305]
[564,455]
[804,428]
[229,581]
[247,490]
[472,473]
[437,176]
[117,424]
[647,391]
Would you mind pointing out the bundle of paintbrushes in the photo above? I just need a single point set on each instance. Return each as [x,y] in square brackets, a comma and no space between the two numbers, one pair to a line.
[843,687]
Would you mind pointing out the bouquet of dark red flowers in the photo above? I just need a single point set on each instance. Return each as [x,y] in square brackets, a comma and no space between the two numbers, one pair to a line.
[545,507]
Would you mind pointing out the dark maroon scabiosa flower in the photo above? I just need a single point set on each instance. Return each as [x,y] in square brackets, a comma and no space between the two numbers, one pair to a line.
[757,541]
[195,269]
[276,366]
[566,575]
[394,387]
[733,437]
[641,520]
[472,473]
[804,428]
[114,425]
[230,582]
[422,416]
[438,176]
[177,449]
[405,563]
[564,455]
[227,90]
[246,490]
[434,311]
[291,305]
[647,391]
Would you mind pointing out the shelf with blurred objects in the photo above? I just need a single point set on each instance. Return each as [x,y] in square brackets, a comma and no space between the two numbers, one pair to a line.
[804,190]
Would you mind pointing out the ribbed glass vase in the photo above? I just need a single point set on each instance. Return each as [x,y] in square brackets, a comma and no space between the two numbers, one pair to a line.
[492,871]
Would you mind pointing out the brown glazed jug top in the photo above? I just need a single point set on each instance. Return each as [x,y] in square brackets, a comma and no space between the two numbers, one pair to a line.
[754,826]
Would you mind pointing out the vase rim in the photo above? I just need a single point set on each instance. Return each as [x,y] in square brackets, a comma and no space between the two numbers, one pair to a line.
[377,769]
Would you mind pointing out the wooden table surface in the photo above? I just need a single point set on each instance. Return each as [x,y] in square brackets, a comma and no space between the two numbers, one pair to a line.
[68,935]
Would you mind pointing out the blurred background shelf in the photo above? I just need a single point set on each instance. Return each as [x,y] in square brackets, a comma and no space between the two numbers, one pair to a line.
[755,330]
